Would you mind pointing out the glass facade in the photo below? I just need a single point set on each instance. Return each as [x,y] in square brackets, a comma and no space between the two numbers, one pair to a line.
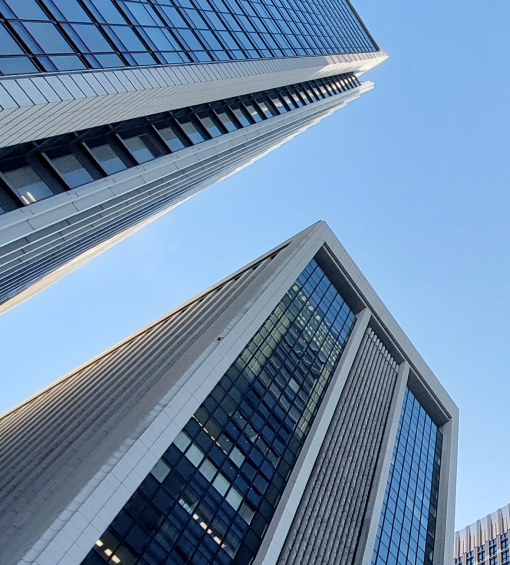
[211,496]
[408,521]
[37,170]
[63,35]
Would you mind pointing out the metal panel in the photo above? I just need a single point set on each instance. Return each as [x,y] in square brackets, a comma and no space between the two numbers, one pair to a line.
[328,522]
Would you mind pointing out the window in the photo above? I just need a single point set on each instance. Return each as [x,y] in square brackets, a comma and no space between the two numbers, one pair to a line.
[504,541]
[73,172]
[171,139]
[28,185]
[211,127]
[493,546]
[214,509]
[253,112]
[226,120]
[481,553]
[108,159]
[493,561]
[138,149]
[458,561]
[505,558]
[470,558]
[191,131]
[242,119]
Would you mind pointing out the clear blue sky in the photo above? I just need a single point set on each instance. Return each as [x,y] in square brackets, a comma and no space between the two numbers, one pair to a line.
[414,180]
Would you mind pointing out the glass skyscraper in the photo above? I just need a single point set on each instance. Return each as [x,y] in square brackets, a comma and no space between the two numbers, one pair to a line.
[115,111]
[281,417]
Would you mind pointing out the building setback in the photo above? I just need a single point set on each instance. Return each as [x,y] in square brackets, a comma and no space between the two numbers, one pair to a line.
[281,417]
[486,541]
[115,111]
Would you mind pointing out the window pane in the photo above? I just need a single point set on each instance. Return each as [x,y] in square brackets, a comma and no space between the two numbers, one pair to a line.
[173,142]
[278,103]
[71,11]
[109,160]
[254,114]
[138,149]
[7,44]
[16,65]
[211,126]
[27,9]
[191,131]
[48,37]
[243,120]
[28,185]
[265,108]
[74,173]
[226,121]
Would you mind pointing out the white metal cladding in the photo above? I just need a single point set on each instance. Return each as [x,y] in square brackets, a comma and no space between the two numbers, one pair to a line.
[327,524]
[34,108]
[72,427]
[39,239]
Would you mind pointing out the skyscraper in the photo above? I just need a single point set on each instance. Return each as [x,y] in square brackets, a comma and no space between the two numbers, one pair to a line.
[114,111]
[485,542]
[280,417]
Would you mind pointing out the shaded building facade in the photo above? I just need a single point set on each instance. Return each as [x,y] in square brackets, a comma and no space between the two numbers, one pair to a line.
[115,111]
[280,417]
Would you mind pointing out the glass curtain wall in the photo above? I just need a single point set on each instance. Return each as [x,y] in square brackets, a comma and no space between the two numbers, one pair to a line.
[408,521]
[211,496]
[63,35]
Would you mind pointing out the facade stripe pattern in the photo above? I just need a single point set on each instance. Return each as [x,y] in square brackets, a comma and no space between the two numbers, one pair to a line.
[26,261]
[328,521]
[44,436]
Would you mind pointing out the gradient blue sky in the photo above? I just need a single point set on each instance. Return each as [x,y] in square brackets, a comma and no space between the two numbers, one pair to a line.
[413,178]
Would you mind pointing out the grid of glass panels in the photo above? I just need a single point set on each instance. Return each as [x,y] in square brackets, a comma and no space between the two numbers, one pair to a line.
[63,35]
[408,521]
[37,170]
[211,497]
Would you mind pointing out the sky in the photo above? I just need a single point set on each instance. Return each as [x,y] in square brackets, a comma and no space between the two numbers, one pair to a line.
[413,178]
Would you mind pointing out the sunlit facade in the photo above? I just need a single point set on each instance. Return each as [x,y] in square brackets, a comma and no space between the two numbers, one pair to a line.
[115,111]
[280,417]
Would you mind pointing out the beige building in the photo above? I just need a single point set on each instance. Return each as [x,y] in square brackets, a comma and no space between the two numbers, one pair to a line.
[485,542]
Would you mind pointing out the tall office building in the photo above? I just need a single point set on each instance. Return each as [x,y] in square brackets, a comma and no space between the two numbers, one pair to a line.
[485,542]
[281,417]
[114,111]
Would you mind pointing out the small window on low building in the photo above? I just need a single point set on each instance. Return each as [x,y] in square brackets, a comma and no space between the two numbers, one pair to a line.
[28,185]
[108,159]
[138,149]
[72,171]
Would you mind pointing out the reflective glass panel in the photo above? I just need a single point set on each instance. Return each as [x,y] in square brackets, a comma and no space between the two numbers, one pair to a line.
[28,185]
[211,496]
[138,149]
[171,139]
[74,173]
[109,160]
[407,527]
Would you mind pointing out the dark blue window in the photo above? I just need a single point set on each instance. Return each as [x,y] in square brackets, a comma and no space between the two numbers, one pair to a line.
[194,30]
[210,498]
[408,520]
